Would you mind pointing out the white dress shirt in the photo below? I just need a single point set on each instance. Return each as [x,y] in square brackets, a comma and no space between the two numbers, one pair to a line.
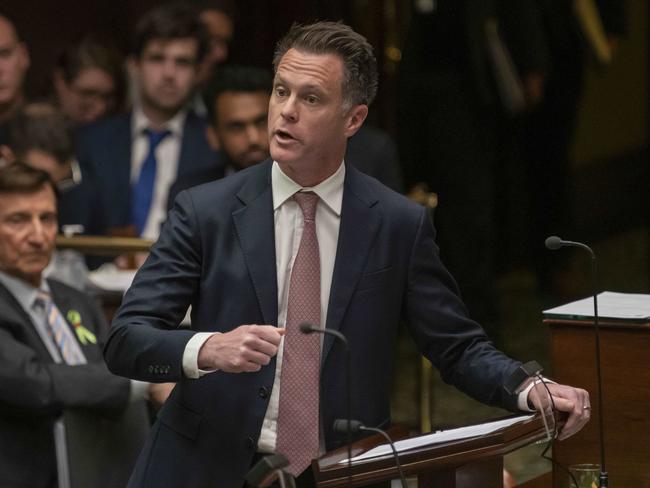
[167,157]
[289,225]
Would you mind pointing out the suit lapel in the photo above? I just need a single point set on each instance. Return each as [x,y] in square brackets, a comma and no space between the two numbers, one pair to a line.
[15,316]
[256,233]
[360,220]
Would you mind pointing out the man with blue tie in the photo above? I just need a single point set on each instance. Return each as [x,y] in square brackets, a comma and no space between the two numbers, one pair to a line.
[303,237]
[139,155]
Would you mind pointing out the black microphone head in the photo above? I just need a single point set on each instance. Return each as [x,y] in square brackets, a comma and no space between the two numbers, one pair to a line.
[553,243]
[341,426]
[306,328]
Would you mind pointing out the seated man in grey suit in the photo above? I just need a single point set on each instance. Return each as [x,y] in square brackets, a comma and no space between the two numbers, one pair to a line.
[50,339]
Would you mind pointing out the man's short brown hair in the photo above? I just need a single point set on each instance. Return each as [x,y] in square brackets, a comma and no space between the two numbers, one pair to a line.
[360,77]
[41,126]
[170,21]
[20,178]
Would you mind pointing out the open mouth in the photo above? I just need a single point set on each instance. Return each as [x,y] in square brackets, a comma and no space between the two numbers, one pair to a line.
[283,136]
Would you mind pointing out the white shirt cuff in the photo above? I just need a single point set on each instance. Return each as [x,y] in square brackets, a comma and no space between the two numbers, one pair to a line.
[522,398]
[191,355]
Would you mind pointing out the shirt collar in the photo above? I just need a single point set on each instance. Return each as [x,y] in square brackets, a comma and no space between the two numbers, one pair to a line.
[22,291]
[140,122]
[330,191]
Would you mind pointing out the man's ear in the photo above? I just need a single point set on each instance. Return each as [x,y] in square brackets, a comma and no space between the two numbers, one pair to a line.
[212,137]
[354,119]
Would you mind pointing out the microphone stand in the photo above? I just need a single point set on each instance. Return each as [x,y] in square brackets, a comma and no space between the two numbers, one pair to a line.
[553,243]
[356,426]
[307,328]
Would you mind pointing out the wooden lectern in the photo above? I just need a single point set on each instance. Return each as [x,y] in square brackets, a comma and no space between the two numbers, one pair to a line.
[477,461]
[625,349]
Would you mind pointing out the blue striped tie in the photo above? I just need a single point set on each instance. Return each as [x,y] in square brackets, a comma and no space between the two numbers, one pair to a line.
[142,191]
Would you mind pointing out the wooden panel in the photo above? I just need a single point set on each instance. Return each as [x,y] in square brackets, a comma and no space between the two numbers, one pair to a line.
[626,395]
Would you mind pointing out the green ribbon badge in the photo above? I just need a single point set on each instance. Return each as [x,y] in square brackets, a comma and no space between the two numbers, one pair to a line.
[83,334]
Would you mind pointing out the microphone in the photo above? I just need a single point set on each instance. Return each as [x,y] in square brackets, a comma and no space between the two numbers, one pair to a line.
[553,243]
[355,426]
[269,469]
[307,328]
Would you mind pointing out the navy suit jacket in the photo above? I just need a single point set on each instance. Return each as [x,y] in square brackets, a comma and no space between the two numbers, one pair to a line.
[216,253]
[104,149]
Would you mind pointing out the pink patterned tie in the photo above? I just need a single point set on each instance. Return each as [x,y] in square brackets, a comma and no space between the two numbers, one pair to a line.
[298,416]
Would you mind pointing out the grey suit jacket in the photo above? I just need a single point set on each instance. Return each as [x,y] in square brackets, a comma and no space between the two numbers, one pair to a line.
[34,391]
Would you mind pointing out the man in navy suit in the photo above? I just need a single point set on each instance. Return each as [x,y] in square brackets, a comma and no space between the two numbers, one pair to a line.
[138,156]
[301,238]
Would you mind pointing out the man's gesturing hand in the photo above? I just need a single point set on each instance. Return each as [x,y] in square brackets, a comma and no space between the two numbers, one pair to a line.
[574,401]
[244,349]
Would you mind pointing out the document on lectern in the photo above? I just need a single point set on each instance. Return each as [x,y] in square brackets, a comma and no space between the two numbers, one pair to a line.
[614,306]
[441,436]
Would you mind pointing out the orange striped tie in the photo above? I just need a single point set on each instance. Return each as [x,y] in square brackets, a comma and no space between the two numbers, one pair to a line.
[59,331]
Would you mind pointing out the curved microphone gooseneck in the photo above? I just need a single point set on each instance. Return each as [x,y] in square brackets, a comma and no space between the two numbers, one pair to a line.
[553,243]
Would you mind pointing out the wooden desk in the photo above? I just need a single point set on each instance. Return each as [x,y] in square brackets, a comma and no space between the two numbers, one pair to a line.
[625,352]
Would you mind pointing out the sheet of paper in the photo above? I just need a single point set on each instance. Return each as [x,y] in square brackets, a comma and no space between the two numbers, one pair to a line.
[440,437]
[611,305]
[109,278]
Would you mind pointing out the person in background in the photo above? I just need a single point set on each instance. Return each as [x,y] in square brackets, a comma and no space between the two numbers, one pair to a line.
[41,136]
[89,81]
[14,62]
[138,156]
[51,337]
[218,18]
[237,100]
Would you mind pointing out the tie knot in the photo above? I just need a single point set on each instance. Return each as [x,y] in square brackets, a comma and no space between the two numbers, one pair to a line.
[42,299]
[155,137]
[307,200]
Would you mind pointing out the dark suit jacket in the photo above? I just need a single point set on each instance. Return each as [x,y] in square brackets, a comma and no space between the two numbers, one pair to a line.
[216,252]
[34,390]
[80,206]
[104,148]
